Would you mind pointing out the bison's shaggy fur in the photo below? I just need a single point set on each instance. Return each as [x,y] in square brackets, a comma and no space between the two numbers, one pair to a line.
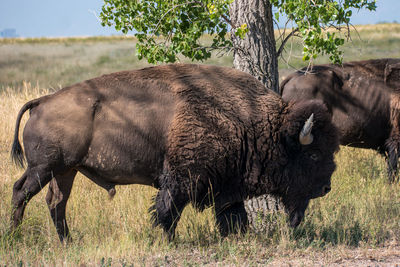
[200,134]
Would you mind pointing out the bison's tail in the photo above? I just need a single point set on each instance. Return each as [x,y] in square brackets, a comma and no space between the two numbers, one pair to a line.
[17,153]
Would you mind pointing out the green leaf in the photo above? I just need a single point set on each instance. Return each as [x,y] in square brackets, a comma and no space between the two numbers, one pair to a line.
[276,16]
[306,57]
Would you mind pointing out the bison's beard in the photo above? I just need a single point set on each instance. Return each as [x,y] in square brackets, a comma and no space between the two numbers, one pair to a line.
[295,210]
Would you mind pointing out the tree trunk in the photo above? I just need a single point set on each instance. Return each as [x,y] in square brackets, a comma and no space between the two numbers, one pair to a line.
[256,55]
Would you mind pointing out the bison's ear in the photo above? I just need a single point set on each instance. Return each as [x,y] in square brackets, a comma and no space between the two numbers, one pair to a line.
[392,75]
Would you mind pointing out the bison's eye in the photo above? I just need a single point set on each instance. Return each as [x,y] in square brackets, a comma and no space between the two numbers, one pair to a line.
[314,157]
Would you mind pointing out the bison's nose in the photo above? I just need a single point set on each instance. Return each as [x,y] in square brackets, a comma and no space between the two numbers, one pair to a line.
[326,189]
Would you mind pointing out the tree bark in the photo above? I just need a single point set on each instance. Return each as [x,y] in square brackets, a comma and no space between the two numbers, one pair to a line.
[256,55]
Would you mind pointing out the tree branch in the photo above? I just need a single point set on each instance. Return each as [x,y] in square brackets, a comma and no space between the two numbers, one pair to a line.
[278,53]
[228,21]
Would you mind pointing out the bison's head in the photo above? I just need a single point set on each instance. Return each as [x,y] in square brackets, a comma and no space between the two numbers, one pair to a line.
[310,141]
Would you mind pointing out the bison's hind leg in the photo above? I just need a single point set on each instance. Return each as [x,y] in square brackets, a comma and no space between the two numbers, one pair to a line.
[167,209]
[231,218]
[56,198]
[30,183]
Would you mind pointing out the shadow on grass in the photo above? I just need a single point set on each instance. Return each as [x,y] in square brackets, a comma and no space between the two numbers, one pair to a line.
[275,230]
[309,234]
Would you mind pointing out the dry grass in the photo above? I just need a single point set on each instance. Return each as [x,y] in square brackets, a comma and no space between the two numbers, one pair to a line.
[358,223]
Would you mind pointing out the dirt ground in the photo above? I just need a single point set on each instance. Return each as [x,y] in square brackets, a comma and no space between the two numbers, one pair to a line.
[386,256]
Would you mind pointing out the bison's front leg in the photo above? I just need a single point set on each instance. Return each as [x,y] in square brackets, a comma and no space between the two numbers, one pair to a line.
[392,166]
[392,157]
[231,218]
[169,204]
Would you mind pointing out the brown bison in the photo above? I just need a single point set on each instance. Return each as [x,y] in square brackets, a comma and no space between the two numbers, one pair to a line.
[200,134]
[363,98]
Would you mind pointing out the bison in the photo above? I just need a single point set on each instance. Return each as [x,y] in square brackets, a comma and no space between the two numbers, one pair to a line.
[363,98]
[201,134]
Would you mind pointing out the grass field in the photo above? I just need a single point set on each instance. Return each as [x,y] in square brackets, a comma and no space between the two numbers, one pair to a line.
[357,223]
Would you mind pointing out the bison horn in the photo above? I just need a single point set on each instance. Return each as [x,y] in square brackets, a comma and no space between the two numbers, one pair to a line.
[305,136]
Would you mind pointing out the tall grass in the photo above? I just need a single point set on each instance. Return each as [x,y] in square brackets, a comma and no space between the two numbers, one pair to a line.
[361,213]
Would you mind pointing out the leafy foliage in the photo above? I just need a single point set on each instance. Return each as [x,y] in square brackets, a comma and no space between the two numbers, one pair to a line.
[314,18]
[165,29]
[181,23]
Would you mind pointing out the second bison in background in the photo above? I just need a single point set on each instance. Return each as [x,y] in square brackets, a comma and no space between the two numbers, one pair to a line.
[200,134]
[363,98]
